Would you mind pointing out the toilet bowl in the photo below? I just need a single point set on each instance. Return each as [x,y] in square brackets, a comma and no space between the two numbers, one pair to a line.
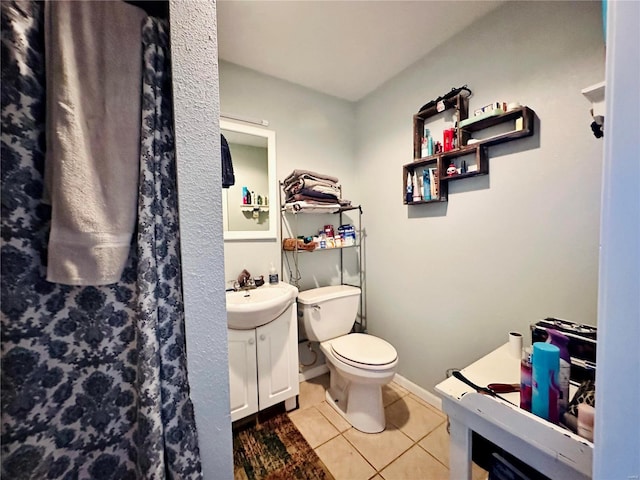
[359,364]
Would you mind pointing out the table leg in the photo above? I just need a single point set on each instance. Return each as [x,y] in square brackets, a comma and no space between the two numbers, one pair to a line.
[459,450]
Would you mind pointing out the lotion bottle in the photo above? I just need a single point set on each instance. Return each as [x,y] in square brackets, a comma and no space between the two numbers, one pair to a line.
[273,275]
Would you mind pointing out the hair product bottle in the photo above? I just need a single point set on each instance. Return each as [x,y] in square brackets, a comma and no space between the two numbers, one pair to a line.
[544,396]
[525,380]
[426,186]
[561,341]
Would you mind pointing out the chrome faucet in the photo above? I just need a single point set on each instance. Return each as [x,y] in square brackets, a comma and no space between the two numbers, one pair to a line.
[244,282]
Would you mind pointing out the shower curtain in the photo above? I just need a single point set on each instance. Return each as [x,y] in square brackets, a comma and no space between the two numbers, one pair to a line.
[94,379]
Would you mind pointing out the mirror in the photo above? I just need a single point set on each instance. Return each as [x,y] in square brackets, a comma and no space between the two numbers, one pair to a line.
[250,204]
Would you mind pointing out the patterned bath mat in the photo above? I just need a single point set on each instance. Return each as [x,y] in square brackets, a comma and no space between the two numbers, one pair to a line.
[274,450]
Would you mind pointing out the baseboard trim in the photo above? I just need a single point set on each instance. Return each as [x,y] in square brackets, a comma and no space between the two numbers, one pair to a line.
[419,392]
[313,372]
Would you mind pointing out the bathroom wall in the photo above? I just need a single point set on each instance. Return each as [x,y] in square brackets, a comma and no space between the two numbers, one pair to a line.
[313,131]
[447,282]
[194,53]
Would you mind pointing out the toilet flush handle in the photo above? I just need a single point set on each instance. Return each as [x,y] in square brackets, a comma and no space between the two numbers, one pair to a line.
[315,306]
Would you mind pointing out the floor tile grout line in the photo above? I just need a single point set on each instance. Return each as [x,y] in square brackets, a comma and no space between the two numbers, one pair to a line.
[414,443]
[361,454]
[401,394]
[386,465]
[433,456]
[322,415]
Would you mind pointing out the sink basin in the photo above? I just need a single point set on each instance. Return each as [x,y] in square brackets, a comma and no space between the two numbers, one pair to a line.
[249,309]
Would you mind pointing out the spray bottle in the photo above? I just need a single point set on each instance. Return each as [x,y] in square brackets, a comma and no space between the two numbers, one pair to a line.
[559,340]
[525,380]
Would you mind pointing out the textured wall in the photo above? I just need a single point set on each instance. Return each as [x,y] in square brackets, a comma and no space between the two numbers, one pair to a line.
[447,282]
[196,104]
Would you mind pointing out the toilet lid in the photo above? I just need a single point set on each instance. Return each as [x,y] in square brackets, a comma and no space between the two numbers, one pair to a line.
[364,349]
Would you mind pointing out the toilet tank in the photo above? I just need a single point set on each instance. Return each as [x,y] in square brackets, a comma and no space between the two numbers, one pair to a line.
[328,312]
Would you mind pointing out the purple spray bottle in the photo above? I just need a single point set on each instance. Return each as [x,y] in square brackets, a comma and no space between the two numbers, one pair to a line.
[561,341]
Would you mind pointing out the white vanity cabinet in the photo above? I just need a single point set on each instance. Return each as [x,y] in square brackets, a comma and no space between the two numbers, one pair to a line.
[263,365]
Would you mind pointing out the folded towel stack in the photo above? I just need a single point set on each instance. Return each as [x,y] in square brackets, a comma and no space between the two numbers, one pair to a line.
[304,188]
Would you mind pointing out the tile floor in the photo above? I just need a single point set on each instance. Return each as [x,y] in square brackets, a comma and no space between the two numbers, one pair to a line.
[415,444]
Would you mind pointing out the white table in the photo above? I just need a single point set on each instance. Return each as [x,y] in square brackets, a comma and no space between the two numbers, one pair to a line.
[550,449]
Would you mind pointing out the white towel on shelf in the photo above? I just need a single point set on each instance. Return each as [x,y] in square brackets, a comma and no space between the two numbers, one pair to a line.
[304,206]
[94,76]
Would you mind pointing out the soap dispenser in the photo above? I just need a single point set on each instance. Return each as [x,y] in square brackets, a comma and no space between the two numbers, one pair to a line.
[273,275]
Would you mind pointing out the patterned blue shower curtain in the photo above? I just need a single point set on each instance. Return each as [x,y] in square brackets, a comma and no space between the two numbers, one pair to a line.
[94,379]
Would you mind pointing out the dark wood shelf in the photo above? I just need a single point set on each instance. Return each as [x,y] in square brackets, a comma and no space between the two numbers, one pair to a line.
[460,176]
[497,119]
[420,202]
[480,148]
[461,152]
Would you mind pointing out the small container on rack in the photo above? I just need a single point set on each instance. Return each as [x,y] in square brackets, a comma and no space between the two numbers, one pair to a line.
[328,229]
[329,232]
[348,233]
[323,239]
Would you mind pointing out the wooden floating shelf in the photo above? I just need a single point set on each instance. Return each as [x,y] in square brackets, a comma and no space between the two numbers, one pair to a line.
[442,160]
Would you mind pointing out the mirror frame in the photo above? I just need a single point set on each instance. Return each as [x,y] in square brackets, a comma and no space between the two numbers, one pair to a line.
[272,232]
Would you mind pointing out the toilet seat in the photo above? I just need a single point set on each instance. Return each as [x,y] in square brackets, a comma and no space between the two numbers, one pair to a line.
[364,351]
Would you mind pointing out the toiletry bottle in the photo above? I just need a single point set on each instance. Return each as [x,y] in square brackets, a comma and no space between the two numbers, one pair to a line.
[409,196]
[425,143]
[245,191]
[525,380]
[545,365]
[330,236]
[273,275]
[561,341]
[426,184]
[416,188]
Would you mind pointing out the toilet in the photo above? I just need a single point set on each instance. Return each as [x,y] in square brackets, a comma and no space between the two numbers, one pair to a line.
[359,364]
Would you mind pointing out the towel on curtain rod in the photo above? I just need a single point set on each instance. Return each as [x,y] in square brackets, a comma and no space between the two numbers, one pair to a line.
[93,137]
